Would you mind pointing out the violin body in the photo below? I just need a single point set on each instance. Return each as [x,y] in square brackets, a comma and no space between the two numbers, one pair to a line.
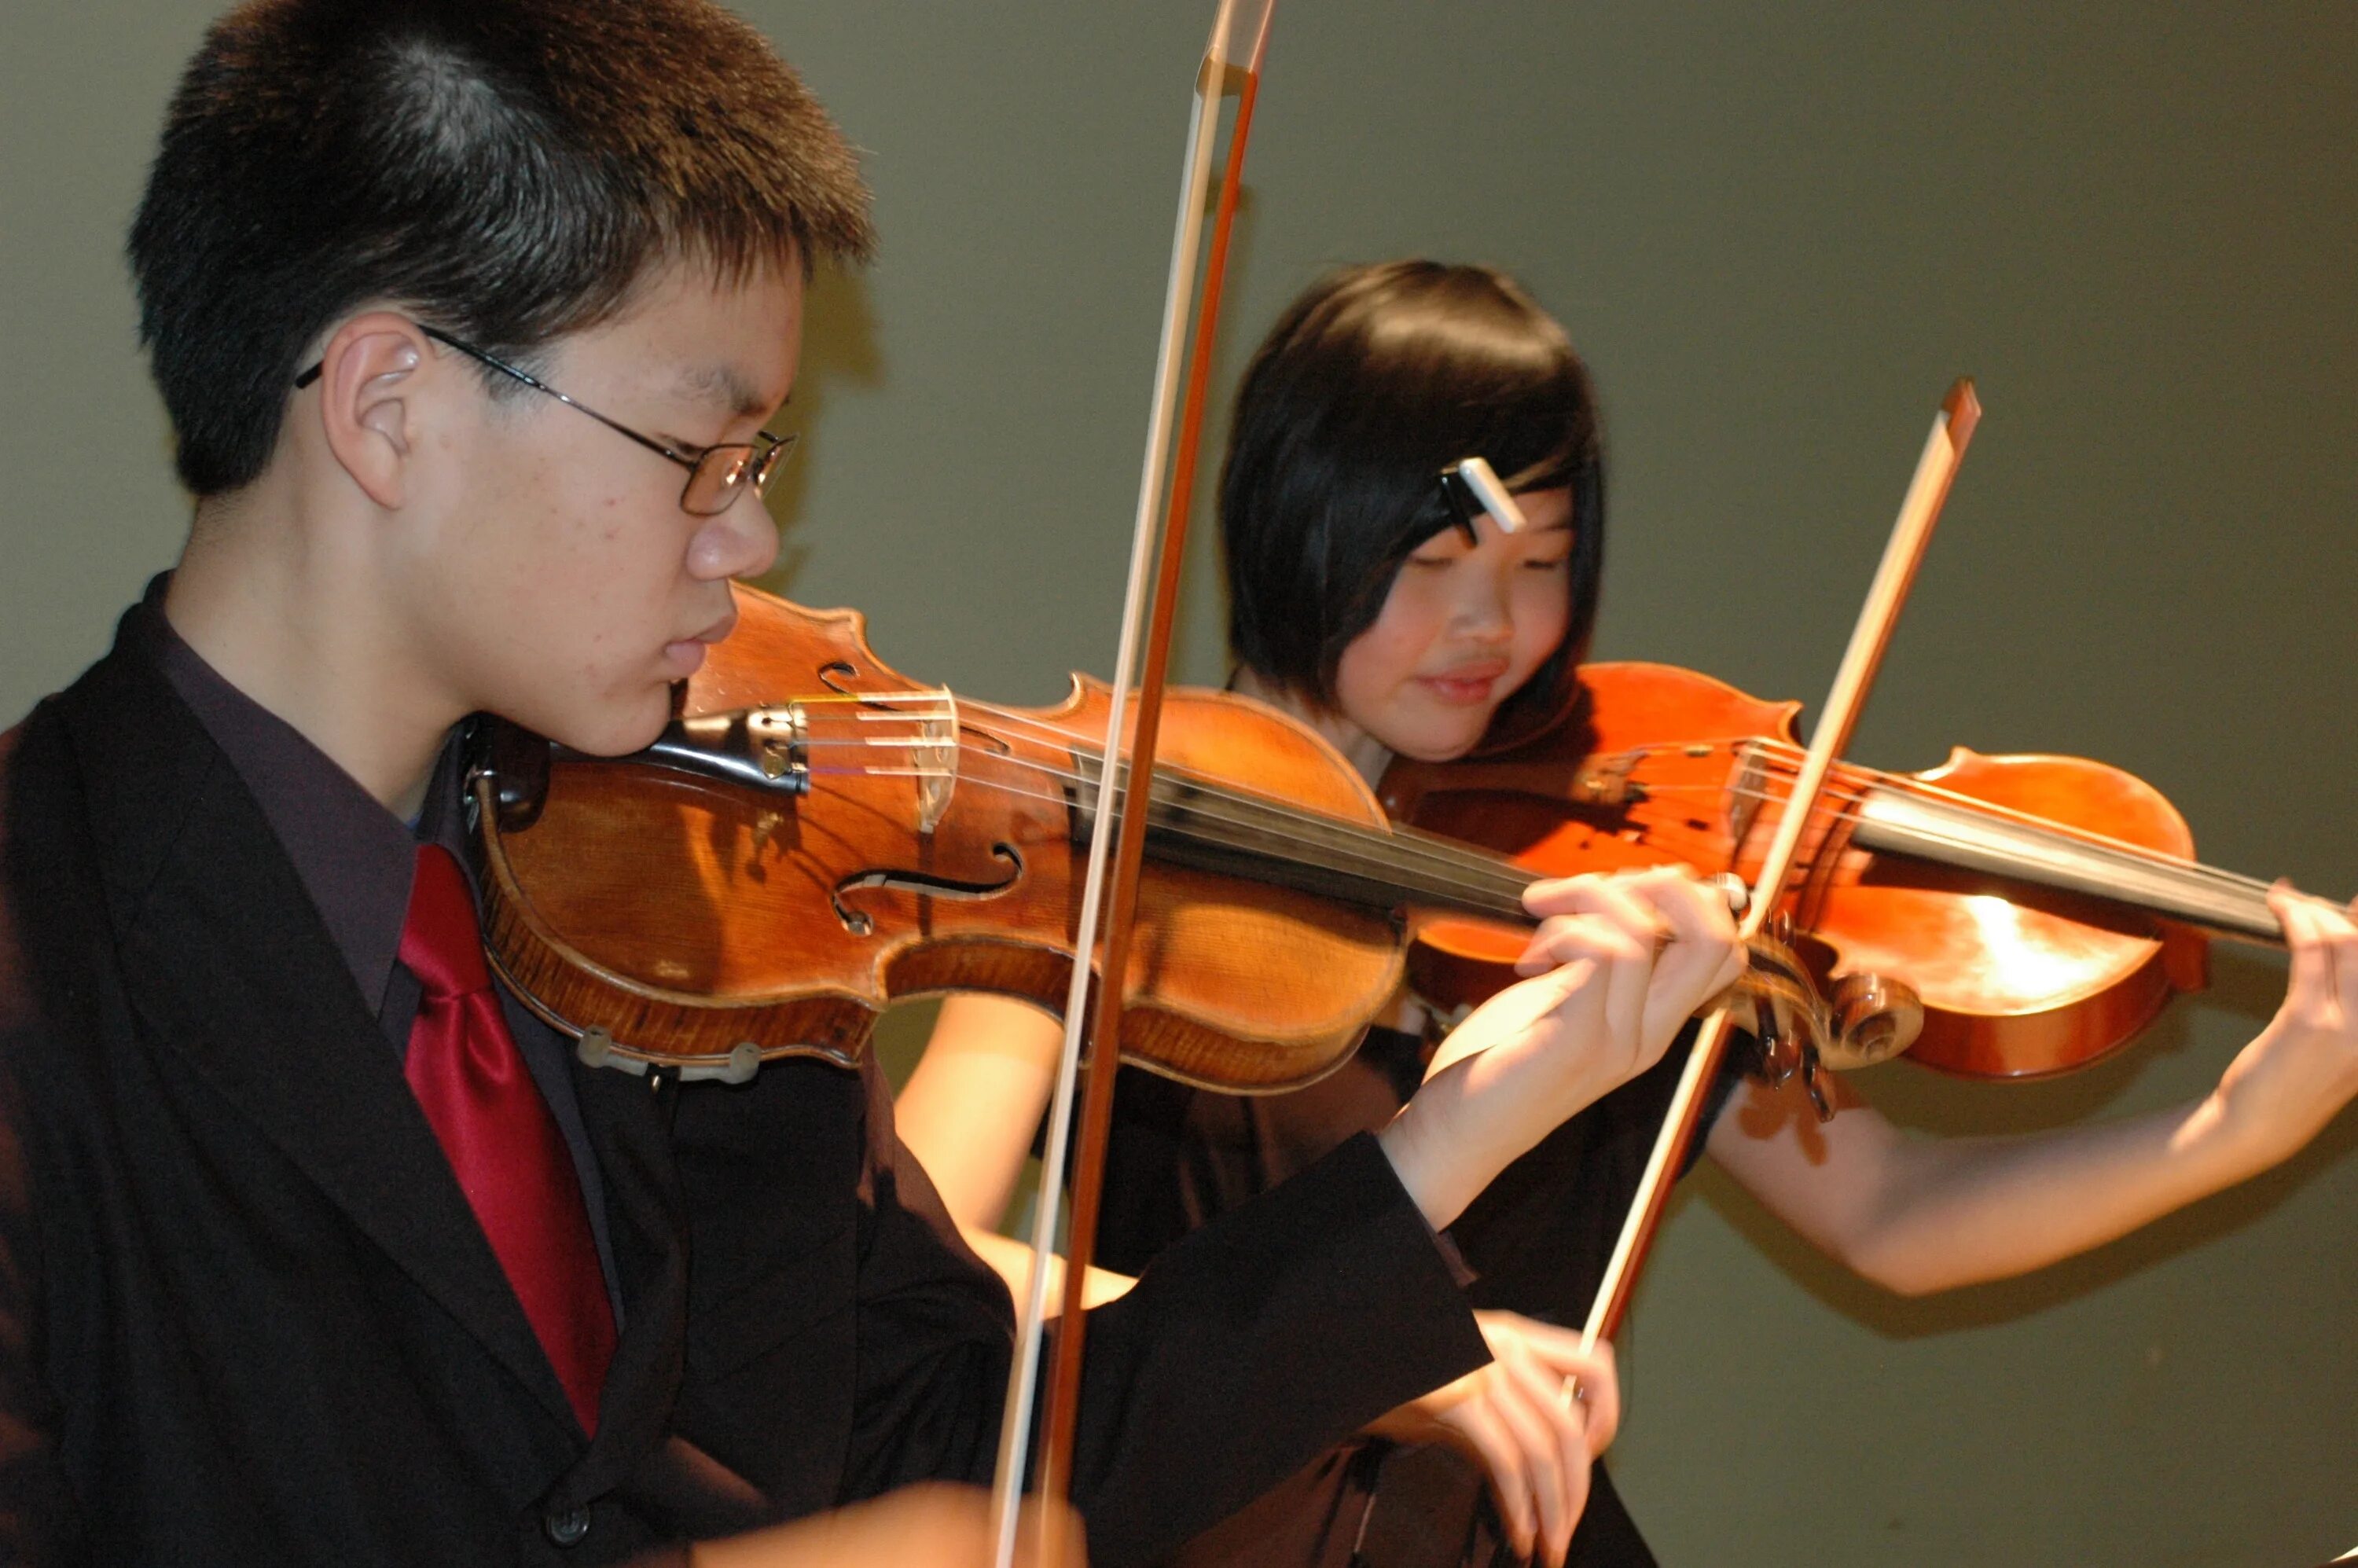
[1663,766]
[702,925]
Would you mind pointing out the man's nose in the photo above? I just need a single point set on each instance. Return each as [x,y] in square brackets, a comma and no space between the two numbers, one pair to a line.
[741,541]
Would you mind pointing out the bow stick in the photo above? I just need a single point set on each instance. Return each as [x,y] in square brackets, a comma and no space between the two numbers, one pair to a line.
[1953,426]
[1231,68]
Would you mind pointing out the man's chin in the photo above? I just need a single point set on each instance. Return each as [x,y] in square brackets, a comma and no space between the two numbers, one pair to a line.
[610,733]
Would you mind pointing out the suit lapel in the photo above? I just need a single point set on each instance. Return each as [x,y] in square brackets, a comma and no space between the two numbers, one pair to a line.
[234,968]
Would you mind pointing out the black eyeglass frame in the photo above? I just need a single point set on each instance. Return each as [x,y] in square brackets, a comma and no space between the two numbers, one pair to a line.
[756,465]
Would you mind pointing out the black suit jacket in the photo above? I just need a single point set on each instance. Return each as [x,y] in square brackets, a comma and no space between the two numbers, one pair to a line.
[247,1317]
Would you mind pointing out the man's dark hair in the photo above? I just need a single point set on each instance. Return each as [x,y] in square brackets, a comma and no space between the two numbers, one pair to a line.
[1368,386]
[509,169]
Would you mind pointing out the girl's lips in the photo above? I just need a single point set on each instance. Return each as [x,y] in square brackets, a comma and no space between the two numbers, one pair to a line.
[1463,693]
[1465,686]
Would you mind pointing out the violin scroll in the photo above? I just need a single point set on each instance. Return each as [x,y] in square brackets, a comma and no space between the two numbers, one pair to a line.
[1875,1017]
[1803,1032]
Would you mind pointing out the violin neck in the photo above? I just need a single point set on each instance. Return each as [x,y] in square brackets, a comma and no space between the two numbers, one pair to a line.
[1382,869]
[1218,830]
[1954,833]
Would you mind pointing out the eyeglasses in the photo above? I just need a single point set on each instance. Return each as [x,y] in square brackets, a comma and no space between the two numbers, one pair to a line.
[715,475]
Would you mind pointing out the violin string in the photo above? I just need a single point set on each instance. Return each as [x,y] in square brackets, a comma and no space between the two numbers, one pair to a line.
[1442,864]
[2226,883]
[1950,841]
[1407,861]
[1778,758]
[1444,883]
[1439,862]
[1411,865]
[1783,759]
[1038,728]
[2064,833]
[1258,815]
[913,741]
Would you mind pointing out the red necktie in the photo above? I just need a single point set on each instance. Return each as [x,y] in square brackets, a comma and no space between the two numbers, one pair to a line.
[496,1129]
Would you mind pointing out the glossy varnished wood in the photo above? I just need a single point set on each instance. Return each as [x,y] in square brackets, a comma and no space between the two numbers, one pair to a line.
[683,917]
[2017,981]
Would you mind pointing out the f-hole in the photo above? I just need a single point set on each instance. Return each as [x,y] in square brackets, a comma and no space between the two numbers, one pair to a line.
[923,883]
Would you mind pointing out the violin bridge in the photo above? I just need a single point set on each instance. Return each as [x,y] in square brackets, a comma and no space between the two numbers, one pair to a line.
[1746,791]
[1611,783]
[935,757]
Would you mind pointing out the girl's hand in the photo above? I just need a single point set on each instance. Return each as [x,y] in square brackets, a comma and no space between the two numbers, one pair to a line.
[2283,1087]
[1525,1420]
[1698,956]
[1664,945]
[1637,955]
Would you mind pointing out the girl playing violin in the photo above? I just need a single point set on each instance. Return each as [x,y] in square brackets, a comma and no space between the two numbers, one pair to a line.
[1370,600]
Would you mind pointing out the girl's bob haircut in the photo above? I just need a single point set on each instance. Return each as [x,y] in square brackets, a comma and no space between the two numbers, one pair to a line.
[1370,385]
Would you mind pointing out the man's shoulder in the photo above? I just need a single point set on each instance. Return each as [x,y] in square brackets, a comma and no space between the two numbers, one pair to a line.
[43,757]
[96,783]
[33,766]
[55,827]
[15,1005]
[35,958]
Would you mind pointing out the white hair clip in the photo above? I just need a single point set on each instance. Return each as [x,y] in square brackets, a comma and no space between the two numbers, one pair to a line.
[1474,479]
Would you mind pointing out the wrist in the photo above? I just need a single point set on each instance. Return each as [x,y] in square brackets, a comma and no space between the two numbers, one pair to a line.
[1456,1133]
[1428,1170]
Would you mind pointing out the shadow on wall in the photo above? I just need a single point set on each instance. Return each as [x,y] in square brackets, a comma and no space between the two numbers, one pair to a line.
[840,348]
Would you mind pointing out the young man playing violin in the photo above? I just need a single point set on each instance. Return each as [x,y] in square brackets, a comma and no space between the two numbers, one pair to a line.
[471,316]
[1368,605]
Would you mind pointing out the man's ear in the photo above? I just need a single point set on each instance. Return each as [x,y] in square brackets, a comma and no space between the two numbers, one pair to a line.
[368,377]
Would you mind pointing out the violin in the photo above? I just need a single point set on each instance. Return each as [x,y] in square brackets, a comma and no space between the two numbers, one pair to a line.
[2036,911]
[816,835]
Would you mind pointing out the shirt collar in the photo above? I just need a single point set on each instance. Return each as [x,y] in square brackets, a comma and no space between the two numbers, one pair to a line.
[353,857]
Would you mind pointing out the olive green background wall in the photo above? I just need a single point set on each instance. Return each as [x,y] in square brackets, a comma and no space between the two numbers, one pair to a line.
[1777,233]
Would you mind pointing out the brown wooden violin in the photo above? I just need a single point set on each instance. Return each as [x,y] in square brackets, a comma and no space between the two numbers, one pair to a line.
[817,835]
[2040,908]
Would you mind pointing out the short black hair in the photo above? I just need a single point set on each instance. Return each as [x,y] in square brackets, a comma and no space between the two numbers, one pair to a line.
[1369,385]
[510,170]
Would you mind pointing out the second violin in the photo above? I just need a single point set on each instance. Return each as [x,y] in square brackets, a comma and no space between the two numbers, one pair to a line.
[2042,909]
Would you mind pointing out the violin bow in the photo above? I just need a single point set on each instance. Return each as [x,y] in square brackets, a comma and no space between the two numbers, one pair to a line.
[1230,68]
[1936,470]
